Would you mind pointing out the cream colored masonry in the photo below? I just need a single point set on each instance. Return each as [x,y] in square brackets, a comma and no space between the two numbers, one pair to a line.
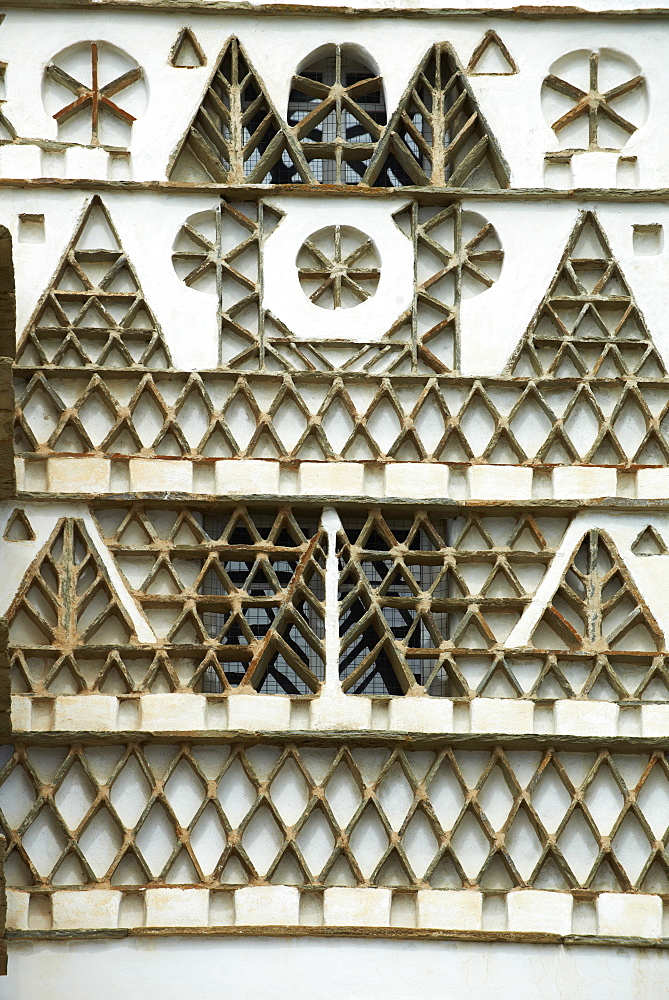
[613,915]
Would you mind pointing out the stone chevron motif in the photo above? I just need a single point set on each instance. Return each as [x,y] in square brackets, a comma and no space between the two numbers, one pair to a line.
[336,132]
[597,606]
[438,135]
[237,136]
[215,815]
[66,599]
[94,313]
[412,590]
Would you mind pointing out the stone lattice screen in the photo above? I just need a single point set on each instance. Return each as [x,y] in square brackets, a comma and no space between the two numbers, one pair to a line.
[334,528]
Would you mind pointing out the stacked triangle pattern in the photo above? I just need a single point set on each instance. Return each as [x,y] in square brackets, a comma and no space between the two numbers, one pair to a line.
[94,313]
[588,323]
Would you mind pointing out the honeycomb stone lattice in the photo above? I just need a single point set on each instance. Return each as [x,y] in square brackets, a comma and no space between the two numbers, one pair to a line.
[325,815]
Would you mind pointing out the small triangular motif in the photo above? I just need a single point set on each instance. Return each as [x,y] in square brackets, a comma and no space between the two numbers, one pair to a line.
[236,135]
[186,52]
[491,57]
[438,135]
[18,528]
[649,542]
[90,326]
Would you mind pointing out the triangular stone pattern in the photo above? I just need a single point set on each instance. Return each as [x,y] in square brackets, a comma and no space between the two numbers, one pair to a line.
[186,52]
[94,313]
[588,324]
[18,528]
[237,136]
[649,542]
[438,135]
[255,613]
[491,57]
[415,596]
[66,598]
[597,607]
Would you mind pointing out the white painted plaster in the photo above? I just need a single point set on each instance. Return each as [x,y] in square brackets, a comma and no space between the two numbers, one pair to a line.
[354,969]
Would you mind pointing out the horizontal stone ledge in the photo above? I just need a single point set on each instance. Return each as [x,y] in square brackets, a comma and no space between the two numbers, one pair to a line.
[353,737]
[303,930]
[252,192]
[521,914]
[241,712]
[97,475]
[445,505]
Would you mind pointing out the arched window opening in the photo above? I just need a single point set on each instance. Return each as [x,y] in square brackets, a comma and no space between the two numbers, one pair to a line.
[337,111]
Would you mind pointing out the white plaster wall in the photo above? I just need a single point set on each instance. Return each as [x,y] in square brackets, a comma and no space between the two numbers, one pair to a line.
[331,969]
[283,294]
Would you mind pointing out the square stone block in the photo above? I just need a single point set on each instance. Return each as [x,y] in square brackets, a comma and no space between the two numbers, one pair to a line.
[582,483]
[654,720]
[340,712]
[415,480]
[652,484]
[540,911]
[17,909]
[260,711]
[21,713]
[586,718]
[158,475]
[275,905]
[450,909]
[624,915]
[172,712]
[332,479]
[86,908]
[421,715]
[499,482]
[344,907]
[256,478]
[502,715]
[177,907]
[92,712]
[78,475]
